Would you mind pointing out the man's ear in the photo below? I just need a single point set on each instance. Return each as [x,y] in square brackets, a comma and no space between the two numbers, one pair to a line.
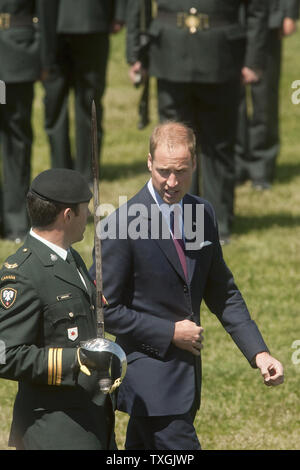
[67,214]
[149,162]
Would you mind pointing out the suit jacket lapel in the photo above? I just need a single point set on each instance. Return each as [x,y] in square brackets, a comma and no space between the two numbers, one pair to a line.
[169,250]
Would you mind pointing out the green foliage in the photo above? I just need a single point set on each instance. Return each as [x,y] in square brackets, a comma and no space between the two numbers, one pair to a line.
[238,411]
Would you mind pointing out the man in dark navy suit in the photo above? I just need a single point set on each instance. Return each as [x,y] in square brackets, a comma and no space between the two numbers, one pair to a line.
[155,276]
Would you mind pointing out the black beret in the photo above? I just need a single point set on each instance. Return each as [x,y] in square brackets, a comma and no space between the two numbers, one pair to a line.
[61,185]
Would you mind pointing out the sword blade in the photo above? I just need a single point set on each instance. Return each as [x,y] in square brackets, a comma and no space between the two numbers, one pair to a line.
[97,240]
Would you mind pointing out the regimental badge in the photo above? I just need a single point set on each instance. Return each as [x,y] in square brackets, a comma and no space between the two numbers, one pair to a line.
[73,333]
[8,296]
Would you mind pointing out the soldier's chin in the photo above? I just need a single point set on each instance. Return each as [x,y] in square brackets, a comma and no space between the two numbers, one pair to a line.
[79,238]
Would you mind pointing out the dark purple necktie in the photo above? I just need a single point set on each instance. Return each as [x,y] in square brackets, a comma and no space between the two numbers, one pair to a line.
[176,228]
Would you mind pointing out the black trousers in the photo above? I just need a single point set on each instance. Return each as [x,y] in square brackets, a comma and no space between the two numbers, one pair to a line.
[211,110]
[16,144]
[257,145]
[174,432]
[81,66]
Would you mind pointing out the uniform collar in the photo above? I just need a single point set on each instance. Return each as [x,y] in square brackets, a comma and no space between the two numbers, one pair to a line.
[57,249]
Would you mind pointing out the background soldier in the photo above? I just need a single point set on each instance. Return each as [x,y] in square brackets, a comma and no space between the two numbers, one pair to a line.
[19,68]
[46,309]
[75,56]
[198,50]
[257,145]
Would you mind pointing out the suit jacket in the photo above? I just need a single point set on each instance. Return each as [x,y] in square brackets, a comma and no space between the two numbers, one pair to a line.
[214,55]
[20,45]
[146,291]
[45,311]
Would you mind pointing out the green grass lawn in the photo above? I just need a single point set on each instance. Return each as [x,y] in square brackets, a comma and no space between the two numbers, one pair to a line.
[238,411]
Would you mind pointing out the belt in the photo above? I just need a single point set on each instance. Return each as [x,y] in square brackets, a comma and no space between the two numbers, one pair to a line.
[7,20]
[192,20]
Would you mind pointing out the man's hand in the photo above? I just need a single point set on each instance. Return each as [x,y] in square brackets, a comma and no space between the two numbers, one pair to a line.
[270,368]
[137,73]
[116,27]
[289,26]
[250,75]
[188,336]
[44,75]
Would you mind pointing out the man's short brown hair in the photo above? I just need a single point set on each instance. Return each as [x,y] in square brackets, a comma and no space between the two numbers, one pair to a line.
[173,133]
[43,213]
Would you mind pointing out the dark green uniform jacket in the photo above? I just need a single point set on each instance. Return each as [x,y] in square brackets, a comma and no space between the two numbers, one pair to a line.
[19,69]
[19,45]
[214,54]
[45,311]
[76,17]
[279,9]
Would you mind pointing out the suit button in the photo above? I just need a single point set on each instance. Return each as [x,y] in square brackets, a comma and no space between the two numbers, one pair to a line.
[185,289]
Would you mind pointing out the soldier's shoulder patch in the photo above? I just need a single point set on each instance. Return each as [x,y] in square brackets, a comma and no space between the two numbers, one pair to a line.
[8,296]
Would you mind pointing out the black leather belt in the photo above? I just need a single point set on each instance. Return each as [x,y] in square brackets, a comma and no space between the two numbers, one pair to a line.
[7,20]
[193,21]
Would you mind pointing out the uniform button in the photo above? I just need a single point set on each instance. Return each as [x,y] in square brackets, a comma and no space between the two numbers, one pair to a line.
[92,307]
[71,314]
[25,250]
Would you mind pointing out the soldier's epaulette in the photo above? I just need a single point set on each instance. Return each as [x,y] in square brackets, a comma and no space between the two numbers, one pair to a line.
[14,261]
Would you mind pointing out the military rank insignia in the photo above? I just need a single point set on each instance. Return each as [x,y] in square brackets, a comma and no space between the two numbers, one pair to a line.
[10,266]
[8,296]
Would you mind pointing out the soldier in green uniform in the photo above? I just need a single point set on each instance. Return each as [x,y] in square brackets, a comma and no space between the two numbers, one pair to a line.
[46,309]
[19,68]
[198,52]
[258,138]
[75,56]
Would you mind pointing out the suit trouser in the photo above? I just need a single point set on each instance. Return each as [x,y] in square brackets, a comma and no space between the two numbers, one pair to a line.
[174,432]
[257,145]
[16,143]
[81,65]
[211,110]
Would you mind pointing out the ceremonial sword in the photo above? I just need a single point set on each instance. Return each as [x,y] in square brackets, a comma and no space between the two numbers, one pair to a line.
[100,350]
